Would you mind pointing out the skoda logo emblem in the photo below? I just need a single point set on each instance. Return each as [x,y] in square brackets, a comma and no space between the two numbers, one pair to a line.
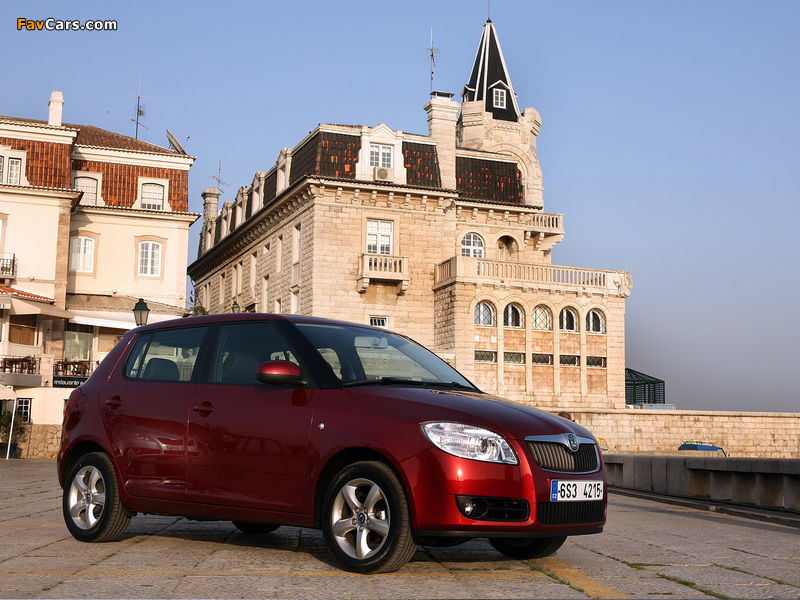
[573,442]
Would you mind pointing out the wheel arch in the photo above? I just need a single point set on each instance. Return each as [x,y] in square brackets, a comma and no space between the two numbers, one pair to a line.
[80,449]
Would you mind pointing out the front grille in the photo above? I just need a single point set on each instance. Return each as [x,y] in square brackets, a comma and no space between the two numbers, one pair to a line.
[552,456]
[571,513]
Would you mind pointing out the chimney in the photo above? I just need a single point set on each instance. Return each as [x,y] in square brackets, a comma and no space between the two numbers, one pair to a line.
[210,205]
[56,105]
[442,118]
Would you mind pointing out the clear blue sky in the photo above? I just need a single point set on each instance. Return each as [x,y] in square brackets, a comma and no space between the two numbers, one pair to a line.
[669,139]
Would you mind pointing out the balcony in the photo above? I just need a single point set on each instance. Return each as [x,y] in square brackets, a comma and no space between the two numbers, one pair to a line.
[21,371]
[383,267]
[8,266]
[465,269]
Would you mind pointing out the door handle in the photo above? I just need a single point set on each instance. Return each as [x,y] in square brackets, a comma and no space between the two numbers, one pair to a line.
[204,409]
[114,402]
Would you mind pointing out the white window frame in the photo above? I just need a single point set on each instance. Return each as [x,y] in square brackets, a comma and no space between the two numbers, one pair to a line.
[473,245]
[381,155]
[9,156]
[140,200]
[152,260]
[509,318]
[595,322]
[81,254]
[485,314]
[542,318]
[98,181]
[378,238]
[498,98]
[563,325]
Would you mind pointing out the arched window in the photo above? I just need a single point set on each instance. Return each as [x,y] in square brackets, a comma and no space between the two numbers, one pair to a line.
[152,196]
[514,316]
[542,318]
[568,320]
[472,245]
[484,314]
[88,185]
[595,321]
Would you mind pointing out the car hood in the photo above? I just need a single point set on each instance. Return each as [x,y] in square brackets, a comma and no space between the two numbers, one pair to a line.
[507,418]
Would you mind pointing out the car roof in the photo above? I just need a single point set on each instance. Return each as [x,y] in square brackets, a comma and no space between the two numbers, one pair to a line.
[240,317]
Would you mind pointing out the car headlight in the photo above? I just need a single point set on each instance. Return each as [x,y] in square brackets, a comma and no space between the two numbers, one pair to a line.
[468,441]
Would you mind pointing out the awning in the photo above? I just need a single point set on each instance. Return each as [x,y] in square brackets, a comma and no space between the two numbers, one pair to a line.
[114,320]
[29,307]
[7,393]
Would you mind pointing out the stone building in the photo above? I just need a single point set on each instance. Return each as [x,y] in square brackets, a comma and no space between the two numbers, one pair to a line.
[90,221]
[442,237]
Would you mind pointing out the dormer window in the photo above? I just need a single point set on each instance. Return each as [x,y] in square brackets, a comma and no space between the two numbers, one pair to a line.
[90,186]
[12,166]
[153,194]
[380,155]
[499,98]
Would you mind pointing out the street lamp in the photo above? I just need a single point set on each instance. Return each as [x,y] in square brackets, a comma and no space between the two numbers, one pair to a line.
[235,307]
[140,312]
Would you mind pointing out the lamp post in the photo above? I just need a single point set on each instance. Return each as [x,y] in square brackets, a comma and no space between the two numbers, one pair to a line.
[235,307]
[140,312]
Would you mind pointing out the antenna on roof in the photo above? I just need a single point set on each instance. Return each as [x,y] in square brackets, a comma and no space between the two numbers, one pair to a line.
[140,109]
[434,51]
[218,177]
[175,144]
[489,14]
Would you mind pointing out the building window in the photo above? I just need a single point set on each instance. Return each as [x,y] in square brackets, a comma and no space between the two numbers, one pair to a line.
[296,244]
[484,314]
[294,302]
[238,269]
[24,409]
[265,294]
[152,196]
[380,236]
[541,359]
[542,318]
[499,98]
[150,259]
[379,322]
[596,361]
[1,169]
[278,308]
[78,341]
[81,254]
[568,320]
[569,360]
[472,245]
[14,171]
[253,271]
[514,316]
[279,254]
[595,322]
[514,358]
[88,185]
[22,329]
[485,356]
[380,155]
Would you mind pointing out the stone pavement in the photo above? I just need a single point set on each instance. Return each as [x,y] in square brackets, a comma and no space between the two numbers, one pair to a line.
[649,549]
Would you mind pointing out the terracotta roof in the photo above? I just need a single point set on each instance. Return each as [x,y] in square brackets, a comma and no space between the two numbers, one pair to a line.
[9,291]
[89,135]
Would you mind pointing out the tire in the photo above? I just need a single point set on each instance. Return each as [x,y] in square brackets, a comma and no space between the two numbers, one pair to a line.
[524,548]
[365,519]
[91,505]
[255,528]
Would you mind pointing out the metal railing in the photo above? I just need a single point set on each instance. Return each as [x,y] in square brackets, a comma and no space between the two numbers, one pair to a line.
[8,265]
[27,365]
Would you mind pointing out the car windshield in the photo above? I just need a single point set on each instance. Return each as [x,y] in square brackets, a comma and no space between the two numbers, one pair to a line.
[361,356]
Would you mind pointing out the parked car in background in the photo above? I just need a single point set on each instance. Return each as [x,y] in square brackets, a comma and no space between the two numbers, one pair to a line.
[270,420]
[702,447]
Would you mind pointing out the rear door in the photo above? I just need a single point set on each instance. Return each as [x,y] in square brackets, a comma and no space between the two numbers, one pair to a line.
[248,441]
[145,410]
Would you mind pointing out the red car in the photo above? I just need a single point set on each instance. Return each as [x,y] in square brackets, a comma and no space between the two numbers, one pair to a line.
[270,420]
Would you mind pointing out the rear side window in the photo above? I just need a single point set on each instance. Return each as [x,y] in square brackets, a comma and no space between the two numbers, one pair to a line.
[242,347]
[167,356]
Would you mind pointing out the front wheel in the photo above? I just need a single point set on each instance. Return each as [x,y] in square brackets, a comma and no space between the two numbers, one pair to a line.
[365,519]
[91,505]
[524,548]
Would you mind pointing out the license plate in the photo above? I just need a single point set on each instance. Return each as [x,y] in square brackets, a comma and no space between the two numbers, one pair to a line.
[571,491]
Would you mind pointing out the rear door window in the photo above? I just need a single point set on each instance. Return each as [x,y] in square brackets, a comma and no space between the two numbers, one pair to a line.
[242,347]
[168,355]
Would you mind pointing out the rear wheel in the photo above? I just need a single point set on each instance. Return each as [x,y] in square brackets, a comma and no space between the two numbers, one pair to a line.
[91,506]
[365,519]
[523,548]
[255,528]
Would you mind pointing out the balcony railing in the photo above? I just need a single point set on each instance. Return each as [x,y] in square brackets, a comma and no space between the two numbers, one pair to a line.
[72,368]
[479,270]
[20,370]
[383,267]
[8,265]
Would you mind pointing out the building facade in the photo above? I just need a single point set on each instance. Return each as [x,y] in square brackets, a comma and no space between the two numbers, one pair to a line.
[442,237]
[90,221]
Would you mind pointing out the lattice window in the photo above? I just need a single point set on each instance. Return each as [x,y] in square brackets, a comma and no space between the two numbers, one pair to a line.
[542,318]
[541,359]
[568,320]
[514,316]
[485,356]
[484,314]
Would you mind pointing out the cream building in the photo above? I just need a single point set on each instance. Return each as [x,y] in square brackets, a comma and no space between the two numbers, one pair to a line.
[443,237]
[90,221]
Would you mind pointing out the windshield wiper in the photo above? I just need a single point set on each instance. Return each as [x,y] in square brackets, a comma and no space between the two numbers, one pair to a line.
[449,384]
[384,381]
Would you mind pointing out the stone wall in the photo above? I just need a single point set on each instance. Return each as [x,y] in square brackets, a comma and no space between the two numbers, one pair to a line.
[751,434]
[39,441]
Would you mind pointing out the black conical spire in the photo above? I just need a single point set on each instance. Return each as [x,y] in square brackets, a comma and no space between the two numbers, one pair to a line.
[489,81]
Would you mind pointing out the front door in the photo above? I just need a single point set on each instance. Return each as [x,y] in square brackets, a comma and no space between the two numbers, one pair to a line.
[248,441]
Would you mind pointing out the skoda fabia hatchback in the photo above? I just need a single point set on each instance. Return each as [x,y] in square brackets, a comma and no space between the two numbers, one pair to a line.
[270,420]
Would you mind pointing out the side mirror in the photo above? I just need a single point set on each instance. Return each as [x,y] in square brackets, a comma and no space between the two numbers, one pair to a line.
[279,372]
